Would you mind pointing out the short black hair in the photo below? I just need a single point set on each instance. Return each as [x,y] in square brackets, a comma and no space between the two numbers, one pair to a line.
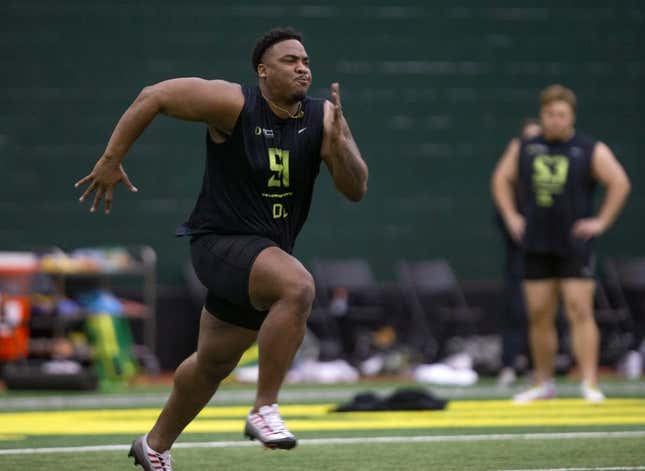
[272,37]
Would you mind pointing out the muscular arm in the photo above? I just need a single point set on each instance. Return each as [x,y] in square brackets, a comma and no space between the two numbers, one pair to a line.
[503,182]
[340,152]
[216,103]
[608,171]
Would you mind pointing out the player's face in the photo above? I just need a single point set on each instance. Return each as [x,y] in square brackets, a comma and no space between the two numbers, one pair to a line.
[286,66]
[557,119]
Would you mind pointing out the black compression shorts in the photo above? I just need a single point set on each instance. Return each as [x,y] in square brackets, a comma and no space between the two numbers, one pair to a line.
[223,264]
[538,266]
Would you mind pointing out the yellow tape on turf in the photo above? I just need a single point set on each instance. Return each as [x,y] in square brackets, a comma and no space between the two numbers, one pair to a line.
[559,412]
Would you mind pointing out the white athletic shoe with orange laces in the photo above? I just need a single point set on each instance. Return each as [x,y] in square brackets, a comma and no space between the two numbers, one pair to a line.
[540,392]
[149,459]
[267,426]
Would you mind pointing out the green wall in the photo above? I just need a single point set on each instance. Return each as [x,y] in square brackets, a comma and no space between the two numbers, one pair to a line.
[433,92]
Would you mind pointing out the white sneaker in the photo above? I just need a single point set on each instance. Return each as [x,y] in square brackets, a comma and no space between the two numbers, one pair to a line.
[267,426]
[591,393]
[540,392]
[149,459]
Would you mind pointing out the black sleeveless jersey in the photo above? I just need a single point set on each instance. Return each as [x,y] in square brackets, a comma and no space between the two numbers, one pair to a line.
[556,188]
[260,181]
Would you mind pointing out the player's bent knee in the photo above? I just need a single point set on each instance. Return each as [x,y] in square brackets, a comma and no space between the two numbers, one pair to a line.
[301,291]
[216,371]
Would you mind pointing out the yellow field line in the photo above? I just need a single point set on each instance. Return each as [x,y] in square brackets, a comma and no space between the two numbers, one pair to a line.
[460,414]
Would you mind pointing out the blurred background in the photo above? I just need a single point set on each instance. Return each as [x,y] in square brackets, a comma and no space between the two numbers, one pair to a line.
[433,93]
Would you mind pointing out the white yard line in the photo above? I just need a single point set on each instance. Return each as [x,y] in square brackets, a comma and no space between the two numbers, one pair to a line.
[614,468]
[345,441]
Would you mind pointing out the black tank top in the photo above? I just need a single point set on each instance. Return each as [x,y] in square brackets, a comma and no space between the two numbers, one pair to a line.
[556,188]
[260,181]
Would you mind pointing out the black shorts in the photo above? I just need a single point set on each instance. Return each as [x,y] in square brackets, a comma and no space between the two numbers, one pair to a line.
[539,266]
[223,265]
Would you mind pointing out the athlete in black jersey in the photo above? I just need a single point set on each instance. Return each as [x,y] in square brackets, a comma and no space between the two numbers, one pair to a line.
[264,148]
[555,175]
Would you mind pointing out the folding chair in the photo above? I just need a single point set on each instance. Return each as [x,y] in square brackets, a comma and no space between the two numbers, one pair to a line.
[437,305]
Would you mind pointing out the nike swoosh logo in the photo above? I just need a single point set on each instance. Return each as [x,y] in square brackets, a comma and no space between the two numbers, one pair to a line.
[300,131]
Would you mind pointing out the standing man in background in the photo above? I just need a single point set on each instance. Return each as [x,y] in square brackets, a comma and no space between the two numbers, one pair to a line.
[264,146]
[513,322]
[555,175]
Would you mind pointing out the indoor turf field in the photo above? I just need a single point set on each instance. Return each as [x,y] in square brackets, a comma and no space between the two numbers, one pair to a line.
[481,429]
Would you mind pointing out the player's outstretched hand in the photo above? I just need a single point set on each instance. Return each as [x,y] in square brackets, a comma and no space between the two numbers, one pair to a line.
[104,177]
